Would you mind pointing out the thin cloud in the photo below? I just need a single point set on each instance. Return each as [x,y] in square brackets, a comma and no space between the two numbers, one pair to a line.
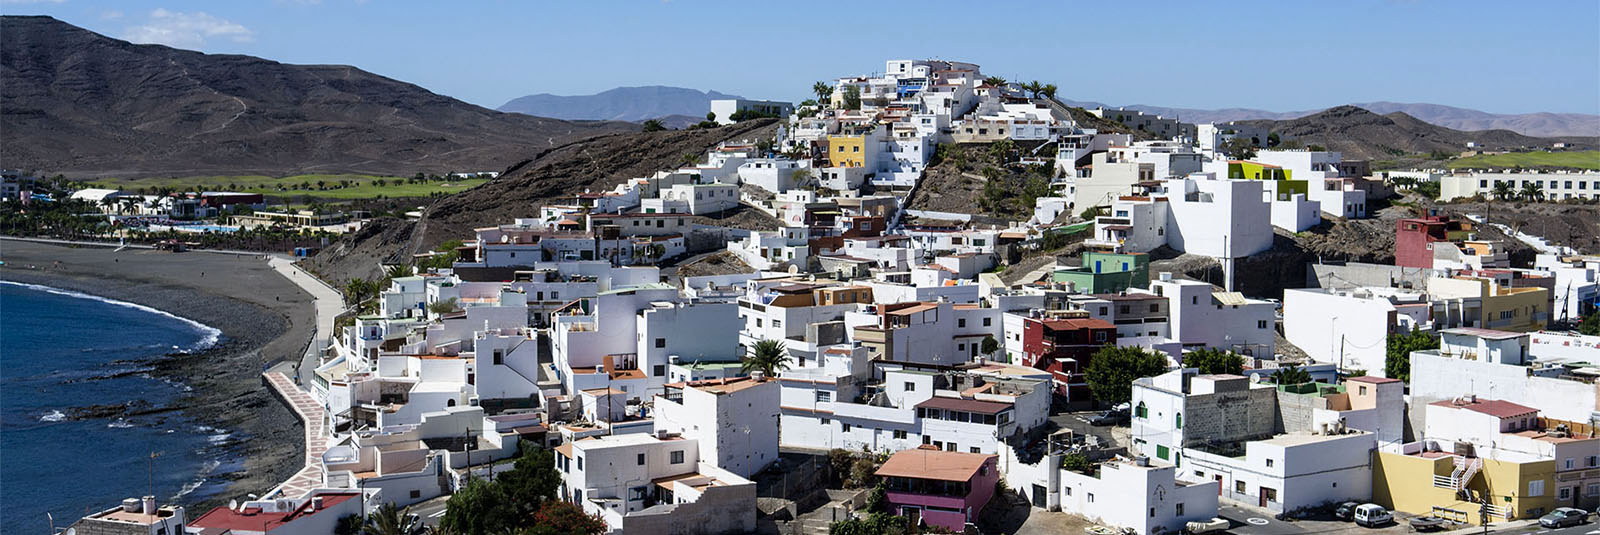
[110,15]
[186,30]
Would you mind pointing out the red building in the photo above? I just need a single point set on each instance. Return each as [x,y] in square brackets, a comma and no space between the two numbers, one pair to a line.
[1063,347]
[1414,239]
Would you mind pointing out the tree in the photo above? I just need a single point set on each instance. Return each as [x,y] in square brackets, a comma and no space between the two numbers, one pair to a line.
[358,290]
[1049,91]
[1273,139]
[1001,150]
[1427,189]
[1033,88]
[390,520]
[1075,462]
[533,479]
[557,517]
[348,525]
[1590,325]
[653,125]
[480,508]
[1292,375]
[878,500]
[1239,148]
[852,97]
[768,356]
[1398,348]
[1113,369]
[397,270]
[988,346]
[873,524]
[1503,190]
[1214,361]
[711,116]
[1532,191]
[443,307]
[689,159]
[995,81]
[823,91]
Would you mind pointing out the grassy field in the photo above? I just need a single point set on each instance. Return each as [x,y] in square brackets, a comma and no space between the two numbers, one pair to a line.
[331,188]
[1575,160]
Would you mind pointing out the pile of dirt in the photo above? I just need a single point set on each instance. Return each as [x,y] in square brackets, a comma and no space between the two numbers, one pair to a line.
[723,263]
[959,181]
[741,217]
[1573,225]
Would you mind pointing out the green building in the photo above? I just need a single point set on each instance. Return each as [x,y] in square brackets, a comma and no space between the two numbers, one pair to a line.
[1287,186]
[1107,272]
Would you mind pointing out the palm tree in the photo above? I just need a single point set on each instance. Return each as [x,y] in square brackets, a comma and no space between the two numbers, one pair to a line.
[1291,375]
[390,520]
[1049,91]
[653,125]
[1033,88]
[823,91]
[768,356]
[1503,190]
[398,270]
[995,81]
[1532,191]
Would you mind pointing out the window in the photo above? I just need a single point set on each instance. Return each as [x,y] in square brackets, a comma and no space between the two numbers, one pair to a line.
[580,464]
[1565,493]
[1162,452]
[844,427]
[826,421]
[1179,509]
[974,449]
[1141,411]
[1269,463]
[1091,497]
[1593,490]
[641,459]
[499,357]
[1100,336]
[1568,465]
[987,321]
[661,342]
[961,323]
[824,396]
[1238,487]
[1261,324]
[1536,487]
[416,494]
[659,370]
[1194,300]
[899,434]
[1594,459]
[636,494]
[911,387]
[1155,307]
[1178,419]
[1363,390]
[676,457]
[1122,309]
[1152,512]
[777,323]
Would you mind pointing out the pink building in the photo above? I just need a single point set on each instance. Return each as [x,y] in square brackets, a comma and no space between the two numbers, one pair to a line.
[939,488]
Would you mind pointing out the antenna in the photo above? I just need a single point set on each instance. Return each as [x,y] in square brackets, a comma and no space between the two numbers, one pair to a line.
[150,479]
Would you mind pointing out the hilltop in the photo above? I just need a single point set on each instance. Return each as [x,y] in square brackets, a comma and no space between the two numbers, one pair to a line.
[1542,124]
[621,104]
[77,102]
[1362,134]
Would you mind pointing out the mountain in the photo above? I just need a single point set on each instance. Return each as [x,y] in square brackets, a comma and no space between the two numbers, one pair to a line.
[77,102]
[620,104]
[1362,134]
[1528,124]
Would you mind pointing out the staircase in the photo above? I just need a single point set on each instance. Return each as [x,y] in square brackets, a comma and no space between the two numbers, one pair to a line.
[1465,469]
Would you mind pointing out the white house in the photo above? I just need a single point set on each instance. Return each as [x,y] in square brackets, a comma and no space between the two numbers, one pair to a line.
[1138,494]
[648,484]
[734,420]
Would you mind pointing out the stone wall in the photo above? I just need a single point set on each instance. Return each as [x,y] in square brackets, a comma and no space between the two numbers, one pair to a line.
[1230,416]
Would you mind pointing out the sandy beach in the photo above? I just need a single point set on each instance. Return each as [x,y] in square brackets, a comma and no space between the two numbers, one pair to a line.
[264,318]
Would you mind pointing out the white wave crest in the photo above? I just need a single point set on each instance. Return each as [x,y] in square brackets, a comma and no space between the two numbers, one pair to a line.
[121,423]
[54,416]
[209,334]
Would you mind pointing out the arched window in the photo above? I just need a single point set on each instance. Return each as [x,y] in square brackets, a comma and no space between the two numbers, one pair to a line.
[1141,411]
[450,403]
[1178,417]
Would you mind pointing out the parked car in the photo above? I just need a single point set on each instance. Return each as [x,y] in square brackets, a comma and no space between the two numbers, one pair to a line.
[1563,517]
[1200,527]
[1345,511]
[1371,515]
[1111,417]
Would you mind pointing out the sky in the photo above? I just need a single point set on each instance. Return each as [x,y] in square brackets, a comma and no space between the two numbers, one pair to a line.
[1501,57]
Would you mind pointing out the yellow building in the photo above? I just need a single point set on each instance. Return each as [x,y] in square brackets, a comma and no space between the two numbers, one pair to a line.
[1503,308]
[1426,483]
[847,151]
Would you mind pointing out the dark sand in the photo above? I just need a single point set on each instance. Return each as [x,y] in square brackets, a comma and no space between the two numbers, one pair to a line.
[236,295]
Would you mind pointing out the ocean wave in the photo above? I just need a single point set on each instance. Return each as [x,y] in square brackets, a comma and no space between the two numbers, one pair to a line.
[121,423]
[54,416]
[209,334]
[191,486]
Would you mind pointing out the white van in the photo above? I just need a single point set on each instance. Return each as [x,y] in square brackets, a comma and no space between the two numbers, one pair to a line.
[1372,515]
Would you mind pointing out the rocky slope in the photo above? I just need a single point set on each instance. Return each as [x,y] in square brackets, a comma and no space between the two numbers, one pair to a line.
[80,103]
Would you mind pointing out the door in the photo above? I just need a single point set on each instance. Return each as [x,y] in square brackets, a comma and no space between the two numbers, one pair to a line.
[1039,498]
[913,514]
[1218,478]
[1263,494]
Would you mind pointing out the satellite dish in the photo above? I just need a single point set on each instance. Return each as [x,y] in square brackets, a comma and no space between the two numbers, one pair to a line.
[233,505]
[794,270]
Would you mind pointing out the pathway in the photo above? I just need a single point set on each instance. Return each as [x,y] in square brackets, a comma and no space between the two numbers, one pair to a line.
[310,476]
[329,304]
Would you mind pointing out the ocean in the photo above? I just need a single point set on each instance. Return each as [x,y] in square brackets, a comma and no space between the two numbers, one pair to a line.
[62,349]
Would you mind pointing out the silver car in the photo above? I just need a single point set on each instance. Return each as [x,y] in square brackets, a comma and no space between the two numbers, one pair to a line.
[1563,517]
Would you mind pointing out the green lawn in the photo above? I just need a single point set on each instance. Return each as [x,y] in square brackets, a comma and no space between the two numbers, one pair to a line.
[289,187]
[1574,159]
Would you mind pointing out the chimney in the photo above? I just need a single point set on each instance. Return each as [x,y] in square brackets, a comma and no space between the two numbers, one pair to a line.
[130,505]
[758,375]
[149,505]
[316,503]
[1166,276]
[607,364]
[1141,461]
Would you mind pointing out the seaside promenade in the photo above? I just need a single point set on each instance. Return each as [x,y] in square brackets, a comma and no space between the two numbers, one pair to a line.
[306,407]
[329,303]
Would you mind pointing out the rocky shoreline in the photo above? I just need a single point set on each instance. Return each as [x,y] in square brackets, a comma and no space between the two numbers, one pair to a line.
[264,318]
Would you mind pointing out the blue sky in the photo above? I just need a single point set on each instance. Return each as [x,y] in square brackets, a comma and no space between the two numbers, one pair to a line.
[1504,57]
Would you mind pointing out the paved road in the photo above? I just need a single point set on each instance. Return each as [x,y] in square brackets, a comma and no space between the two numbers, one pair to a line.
[1078,422]
[430,511]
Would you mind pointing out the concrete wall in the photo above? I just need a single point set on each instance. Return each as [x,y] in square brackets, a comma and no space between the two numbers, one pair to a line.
[1435,378]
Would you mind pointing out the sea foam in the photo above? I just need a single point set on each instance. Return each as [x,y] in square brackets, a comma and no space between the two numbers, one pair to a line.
[210,334]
